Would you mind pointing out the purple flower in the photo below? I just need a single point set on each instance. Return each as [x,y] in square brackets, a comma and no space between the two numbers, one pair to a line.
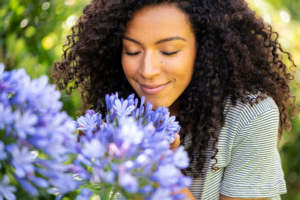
[76,124]
[22,160]
[88,123]
[93,149]
[6,117]
[60,124]
[24,123]
[17,82]
[96,177]
[181,159]
[136,101]
[31,118]
[128,131]
[43,97]
[142,160]
[127,181]
[110,100]
[63,183]
[179,196]
[40,182]
[132,148]
[82,159]
[90,112]
[168,158]
[109,177]
[113,150]
[146,189]
[166,175]
[142,101]
[108,103]
[85,194]
[170,137]
[122,108]
[184,181]
[3,154]
[6,191]
[1,69]
[107,118]
[27,186]
[128,165]
[161,193]
[172,125]
[79,170]
[56,146]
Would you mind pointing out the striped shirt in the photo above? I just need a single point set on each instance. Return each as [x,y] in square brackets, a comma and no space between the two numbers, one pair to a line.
[248,161]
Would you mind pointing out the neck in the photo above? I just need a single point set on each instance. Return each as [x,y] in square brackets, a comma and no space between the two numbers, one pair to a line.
[174,109]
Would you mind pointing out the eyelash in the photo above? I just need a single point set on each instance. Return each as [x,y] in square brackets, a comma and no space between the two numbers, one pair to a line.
[170,54]
[131,54]
[167,54]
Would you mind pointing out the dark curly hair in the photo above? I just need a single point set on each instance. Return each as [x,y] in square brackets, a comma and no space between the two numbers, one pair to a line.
[237,54]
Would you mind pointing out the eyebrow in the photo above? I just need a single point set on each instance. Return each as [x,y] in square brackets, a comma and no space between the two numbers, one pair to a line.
[158,42]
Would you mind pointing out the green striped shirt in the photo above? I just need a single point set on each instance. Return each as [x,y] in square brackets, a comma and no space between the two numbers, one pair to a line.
[248,160]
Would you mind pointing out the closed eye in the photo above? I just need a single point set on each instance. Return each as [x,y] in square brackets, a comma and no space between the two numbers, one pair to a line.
[169,54]
[165,53]
[131,54]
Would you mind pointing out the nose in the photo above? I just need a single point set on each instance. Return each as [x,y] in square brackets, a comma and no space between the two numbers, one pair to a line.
[150,66]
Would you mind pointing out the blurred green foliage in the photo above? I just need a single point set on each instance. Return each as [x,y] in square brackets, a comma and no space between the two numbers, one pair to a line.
[32,34]
[284,16]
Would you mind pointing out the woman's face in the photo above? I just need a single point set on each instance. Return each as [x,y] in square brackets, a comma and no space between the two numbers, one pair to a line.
[158,55]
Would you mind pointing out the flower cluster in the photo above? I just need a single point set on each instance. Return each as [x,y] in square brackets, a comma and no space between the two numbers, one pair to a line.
[130,152]
[127,151]
[31,122]
[143,115]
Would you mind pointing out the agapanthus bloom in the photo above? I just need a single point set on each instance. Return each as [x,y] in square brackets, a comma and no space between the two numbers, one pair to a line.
[7,191]
[31,120]
[129,150]
[126,151]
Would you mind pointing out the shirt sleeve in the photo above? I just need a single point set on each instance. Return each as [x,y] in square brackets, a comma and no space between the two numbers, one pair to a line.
[255,169]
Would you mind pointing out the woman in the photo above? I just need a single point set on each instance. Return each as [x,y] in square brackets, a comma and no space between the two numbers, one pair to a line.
[215,64]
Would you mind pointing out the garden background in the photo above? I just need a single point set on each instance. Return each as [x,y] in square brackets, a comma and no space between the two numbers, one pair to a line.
[32,34]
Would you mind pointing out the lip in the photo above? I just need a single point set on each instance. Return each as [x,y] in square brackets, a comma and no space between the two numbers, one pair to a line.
[153,89]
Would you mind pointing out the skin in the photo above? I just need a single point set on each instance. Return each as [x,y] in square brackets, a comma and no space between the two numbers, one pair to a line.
[144,36]
[153,33]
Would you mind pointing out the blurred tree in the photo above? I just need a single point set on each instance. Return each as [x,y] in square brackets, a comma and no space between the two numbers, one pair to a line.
[32,34]
[292,6]
[284,17]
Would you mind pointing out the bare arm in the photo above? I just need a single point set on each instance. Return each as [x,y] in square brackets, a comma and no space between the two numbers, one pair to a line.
[188,194]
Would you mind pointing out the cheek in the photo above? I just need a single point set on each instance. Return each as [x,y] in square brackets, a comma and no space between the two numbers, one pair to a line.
[180,68]
[130,67]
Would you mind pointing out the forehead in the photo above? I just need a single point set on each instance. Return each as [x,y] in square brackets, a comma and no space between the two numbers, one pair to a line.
[157,22]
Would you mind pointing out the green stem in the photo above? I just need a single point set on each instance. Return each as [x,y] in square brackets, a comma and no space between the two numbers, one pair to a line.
[8,168]
[107,193]
[124,193]
[113,194]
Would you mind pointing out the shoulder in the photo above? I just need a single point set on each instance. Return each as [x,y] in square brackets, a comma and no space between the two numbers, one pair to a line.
[245,125]
[241,114]
[248,151]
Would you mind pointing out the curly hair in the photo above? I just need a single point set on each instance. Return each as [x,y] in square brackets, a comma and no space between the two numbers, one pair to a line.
[237,54]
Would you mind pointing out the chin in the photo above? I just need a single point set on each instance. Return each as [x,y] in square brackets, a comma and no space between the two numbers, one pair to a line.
[156,102]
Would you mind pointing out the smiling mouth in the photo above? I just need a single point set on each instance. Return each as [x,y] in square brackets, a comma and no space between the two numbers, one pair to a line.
[152,89]
[153,86]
